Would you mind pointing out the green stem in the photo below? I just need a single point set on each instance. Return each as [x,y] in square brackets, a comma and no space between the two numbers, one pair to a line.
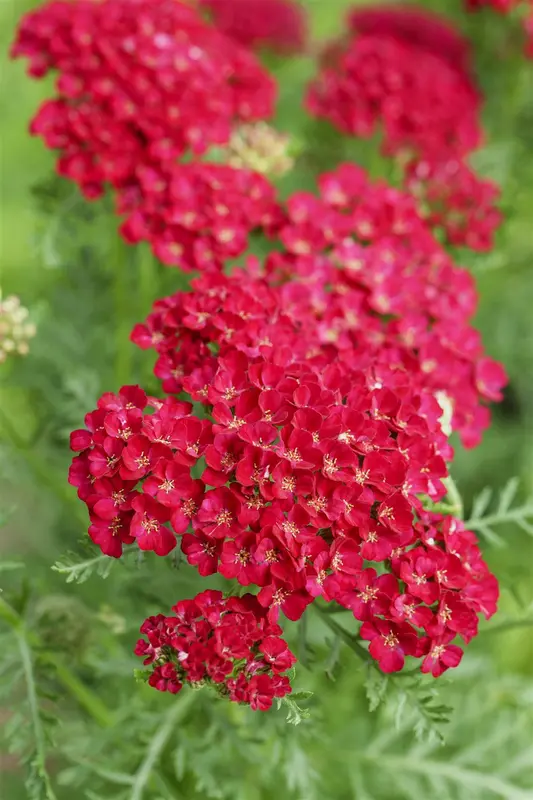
[302,641]
[85,697]
[346,637]
[121,280]
[177,712]
[40,749]
[508,626]
[456,505]
[78,690]
[148,280]
[353,643]
[148,292]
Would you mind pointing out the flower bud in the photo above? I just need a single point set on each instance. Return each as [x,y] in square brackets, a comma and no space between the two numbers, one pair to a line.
[261,148]
[15,332]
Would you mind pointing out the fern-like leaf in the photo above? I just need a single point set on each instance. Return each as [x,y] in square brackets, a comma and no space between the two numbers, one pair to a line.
[295,713]
[79,570]
[504,513]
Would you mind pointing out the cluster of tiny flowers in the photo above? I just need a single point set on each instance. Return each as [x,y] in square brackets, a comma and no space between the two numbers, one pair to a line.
[310,476]
[279,25]
[15,329]
[408,71]
[382,290]
[309,397]
[390,71]
[226,643]
[261,148]
[196,215]
[141,83]
[452,197]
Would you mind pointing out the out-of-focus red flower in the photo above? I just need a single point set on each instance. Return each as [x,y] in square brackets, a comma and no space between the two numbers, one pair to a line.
[452,197]
[141,83]
[407,71]
[279,25]
[417,27]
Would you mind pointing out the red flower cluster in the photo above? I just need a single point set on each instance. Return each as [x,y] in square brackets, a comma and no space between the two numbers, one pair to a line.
[414,25]
[313,483]
[439,585]
[196,216]
[452,197]
[408,71]
[369,282]
[280,25]
[227,643]
[383,292]
[321,429]
[141,82]
[404,70]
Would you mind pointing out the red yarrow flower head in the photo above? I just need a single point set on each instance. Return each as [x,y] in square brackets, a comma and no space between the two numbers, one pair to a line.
[279,25]
[416,26]
[225,643]
[196,216]
[406,71]
[141,83]
[452,197]
[358,272]
[313,453]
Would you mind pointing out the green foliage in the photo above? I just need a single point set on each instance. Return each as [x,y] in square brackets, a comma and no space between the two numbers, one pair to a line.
[78,570]
[503,513]
[295,713]
[29,731]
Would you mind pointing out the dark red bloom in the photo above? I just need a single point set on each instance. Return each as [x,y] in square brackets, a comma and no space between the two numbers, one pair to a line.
[148,526]
[212,638]
[323,382]
[442,655]
[390,643]
[451,196]
[280,25]
[416,26]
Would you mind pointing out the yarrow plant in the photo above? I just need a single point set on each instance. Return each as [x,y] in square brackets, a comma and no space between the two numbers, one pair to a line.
[300,446]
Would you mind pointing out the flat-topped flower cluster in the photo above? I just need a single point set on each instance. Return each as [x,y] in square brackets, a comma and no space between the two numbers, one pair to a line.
[301,473]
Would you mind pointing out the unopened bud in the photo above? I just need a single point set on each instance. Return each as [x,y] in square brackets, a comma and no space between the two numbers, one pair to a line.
[15,331]
[260,148]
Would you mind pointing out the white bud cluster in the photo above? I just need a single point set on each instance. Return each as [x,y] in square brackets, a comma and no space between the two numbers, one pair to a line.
[15,329]
[260,148]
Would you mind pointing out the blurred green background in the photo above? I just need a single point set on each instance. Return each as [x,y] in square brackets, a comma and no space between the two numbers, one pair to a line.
[85,291]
